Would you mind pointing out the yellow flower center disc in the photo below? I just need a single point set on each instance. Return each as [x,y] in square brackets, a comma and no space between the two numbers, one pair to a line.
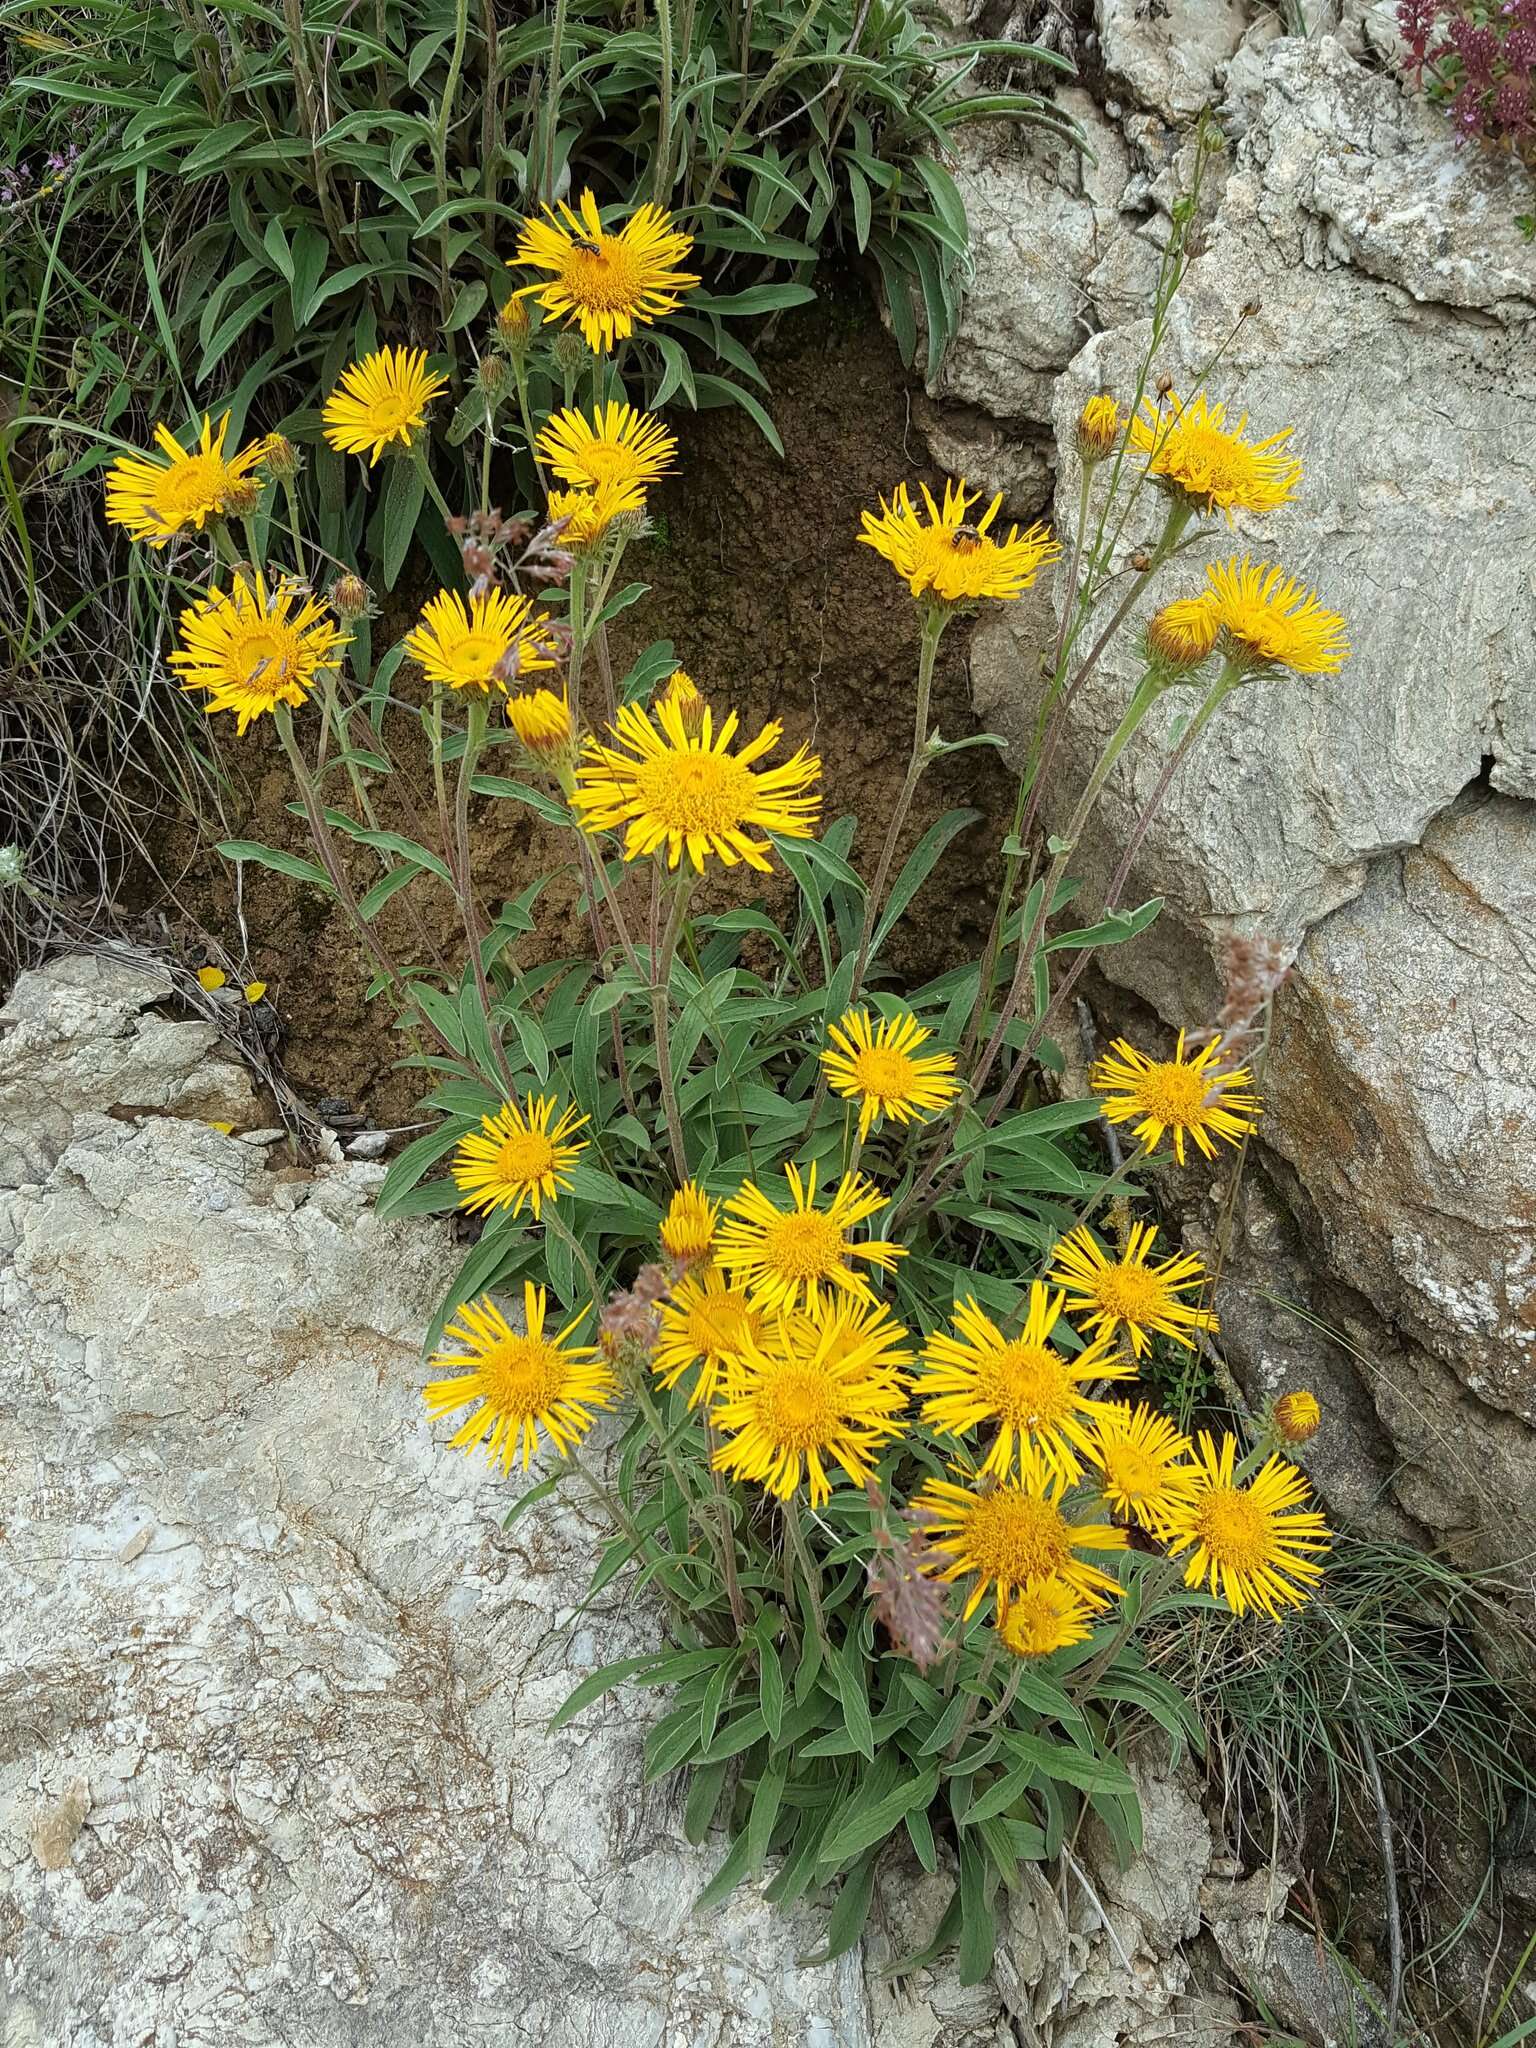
[1130,1292]
[1011,1537]
[527,1157]
[884,1072]
[260,658]
[1173,1094]
[190,487]
[802,1247]
[603,278]
[1234,1529]
[1131,1472]
[523,1375]
[476,654]
[694,792]
[799,1408]
[1027,1384]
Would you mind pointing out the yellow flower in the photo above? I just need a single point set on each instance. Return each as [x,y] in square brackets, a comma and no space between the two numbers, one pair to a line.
[617,445]
[250,649]
[951,558]
[818,1389]
[542,721]
[212,978]
[706,1323]
[383,398]
[1196,456]
[480,644]
[796,1255]
[1189,1097]
[1140,1454]
[156,499]
[1023,1384]
[1254,1545]
[688,1228]
[605,282]
[520,1155]
[517,1384]
[1180,637]
[878,1068]
[684,790]
[254,991]
[587,515]
[1012,1537]
[1044,1617]
[1130,1292]
[1298,1415]
[1098,428]
[1267,621]
[682,691]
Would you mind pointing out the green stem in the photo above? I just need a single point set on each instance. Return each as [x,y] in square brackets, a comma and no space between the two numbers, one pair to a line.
[661,986]
[552,98]
[576,614]
[662,183]
[440,145]
[474,741]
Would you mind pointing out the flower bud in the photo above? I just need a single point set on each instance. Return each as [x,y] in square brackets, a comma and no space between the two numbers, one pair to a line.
[542,721]
[513,325]
[682,691]
[570,352]
[1297,1416]
[351,598]
[1180,637]
[280,457]
[1098,428]
[242,495]
[491,377]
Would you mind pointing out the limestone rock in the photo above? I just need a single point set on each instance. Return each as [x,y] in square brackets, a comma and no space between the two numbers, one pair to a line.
[1167,54]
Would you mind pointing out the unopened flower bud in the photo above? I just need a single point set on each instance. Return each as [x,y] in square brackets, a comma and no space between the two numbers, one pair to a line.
[1098,428]
[542,721]
[570,352]
[1297,1416]
[1164,386]
[1180,637]
[491,375]
[513,325]
[1141,561]
[351,598]
[681,691]
[242,495]
[280,457]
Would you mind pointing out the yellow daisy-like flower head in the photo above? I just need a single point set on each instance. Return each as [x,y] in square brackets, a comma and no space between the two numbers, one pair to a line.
[1031,1392]
[1141,1456]
[542,722]
[1012,1537]
[255,646]
[817,1390]
[1196,457]
[1191,1098]
[688,1228]
[683,791]
[157,499]
[584,517]
[950,559]
[1267,621]
[383,398]
[517,1383]
[706,1323]
[477,645]
[519,1157]
[883,1069]
[788,1256]
[1130,1293]
[617,445]
[1098,428]
[1045,1617]
[605,282]
[1253,1545]
[1181,636]
[1298,1416]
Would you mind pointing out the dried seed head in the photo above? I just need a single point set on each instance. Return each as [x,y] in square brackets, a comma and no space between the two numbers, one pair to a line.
[631,1317]
[242,495]
[492,376]
[907,1597]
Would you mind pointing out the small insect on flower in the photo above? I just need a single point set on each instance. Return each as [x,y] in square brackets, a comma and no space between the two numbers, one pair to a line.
[684,792]
[883,1069]
[584,517]
[155,499]
[1130,1293]
[950,559]
[383,398]
[1098,429]
[1254,1545]
[784,1257]
[1141,1457]
[688,1228]
[464,645]
[517,1383]
[255,646]
[706,1323]
[519,1157]
[1197,458]
[618,445]
[1015,1536]
[1298,1416]
[1030,1391]
[1267,621]
[1191,1098]
[605,282]
[816,1390]
[1043,1618]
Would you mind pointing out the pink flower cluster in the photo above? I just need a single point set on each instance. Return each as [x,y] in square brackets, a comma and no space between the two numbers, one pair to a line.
[1479,60]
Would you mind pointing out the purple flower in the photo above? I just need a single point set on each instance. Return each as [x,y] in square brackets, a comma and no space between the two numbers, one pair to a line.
[1512,106]
[1476,47]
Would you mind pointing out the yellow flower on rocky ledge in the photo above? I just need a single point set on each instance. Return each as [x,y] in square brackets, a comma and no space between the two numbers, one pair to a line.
[1181,636]
[1140,1455]
[601,281]
[381,399]
[1012,1537]
[680,790]
[1193,1098]
[255,646]
[1032,1393]
[517,1383]
[1265,620]
[1298,1416]
[155,498]
[520,1157]
[1254,1545]
[882,1068]
[1098,428]
[618,445]
[211,978]
[950,558]
[795,1256]
[478,644]
[1203,463]
[1043,1618]
[1130,1293]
